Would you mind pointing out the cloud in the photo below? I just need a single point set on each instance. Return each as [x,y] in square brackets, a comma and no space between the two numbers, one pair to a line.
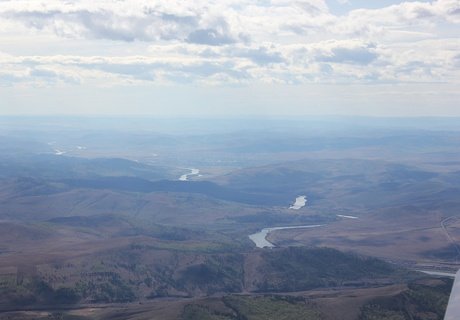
[261,55]
[201,22]
[350,52]
[214,22]
[405,14]
[125,20]
[103,24]
[9,79]
[43,73]
[226,42]
[211,37]
[456,60]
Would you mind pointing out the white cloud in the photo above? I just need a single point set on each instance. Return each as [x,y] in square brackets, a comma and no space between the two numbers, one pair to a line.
[225,42]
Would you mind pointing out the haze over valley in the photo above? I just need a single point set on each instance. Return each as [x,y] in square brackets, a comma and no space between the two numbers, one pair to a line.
[118,218]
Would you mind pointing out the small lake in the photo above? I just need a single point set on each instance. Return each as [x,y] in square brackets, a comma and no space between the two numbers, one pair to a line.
[300,202]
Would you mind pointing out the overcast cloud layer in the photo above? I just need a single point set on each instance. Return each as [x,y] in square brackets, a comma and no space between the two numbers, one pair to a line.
[228,43]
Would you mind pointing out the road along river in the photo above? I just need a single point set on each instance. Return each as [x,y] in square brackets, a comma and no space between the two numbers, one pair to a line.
[260,238]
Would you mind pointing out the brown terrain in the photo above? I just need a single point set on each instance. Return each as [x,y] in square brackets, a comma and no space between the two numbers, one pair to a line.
[85,237]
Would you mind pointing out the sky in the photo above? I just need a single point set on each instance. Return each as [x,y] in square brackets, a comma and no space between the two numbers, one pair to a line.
[230,57]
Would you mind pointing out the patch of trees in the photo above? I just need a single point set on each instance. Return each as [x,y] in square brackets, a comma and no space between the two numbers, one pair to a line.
[199,312]
[218,273]
[300,268]
[420,301]
[109,289]
[39,292]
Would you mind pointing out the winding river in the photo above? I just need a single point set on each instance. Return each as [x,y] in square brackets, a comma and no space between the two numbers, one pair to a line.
[193,172]
[260,238]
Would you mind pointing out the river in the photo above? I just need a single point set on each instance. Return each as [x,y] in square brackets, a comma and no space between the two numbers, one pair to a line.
[347,217]
[193,172]
[437,273]
[260,238]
